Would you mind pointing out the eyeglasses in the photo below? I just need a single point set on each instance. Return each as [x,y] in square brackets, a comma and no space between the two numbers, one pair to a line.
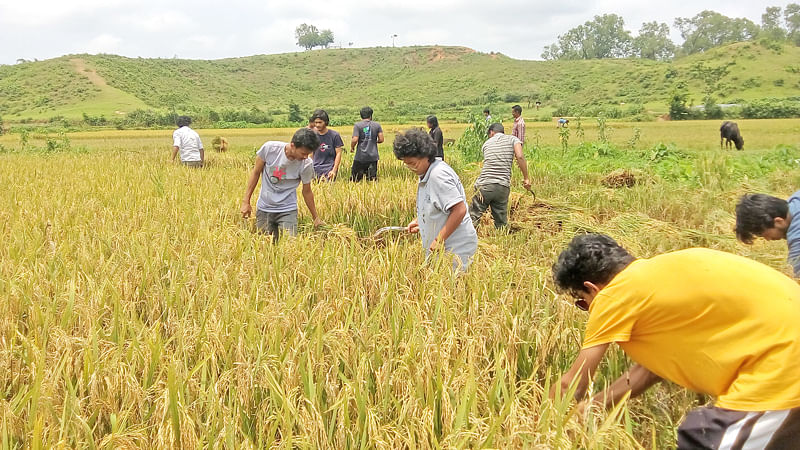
[581,304]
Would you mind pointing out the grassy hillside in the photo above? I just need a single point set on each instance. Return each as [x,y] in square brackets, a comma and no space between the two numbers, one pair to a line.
[398,82]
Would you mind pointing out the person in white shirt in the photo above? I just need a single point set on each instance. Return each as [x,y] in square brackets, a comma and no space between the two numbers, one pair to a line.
[186,141]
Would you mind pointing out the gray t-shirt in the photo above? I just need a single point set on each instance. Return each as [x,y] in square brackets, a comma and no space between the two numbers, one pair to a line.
[439,190]
[793,233]
[280,178]
[367,132]
[498,155]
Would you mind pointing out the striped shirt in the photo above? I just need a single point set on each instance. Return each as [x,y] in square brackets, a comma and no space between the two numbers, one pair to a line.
[519,129]
[498,155]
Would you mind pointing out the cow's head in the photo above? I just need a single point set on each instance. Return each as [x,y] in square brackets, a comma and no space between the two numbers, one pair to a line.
[739,141]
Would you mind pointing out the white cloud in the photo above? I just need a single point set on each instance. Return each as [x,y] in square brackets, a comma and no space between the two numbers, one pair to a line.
[209,29]
[104,43]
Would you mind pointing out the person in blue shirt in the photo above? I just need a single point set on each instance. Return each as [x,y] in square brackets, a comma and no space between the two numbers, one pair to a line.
[772,218]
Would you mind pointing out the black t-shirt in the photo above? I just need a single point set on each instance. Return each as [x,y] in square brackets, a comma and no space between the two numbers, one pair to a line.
[438,139]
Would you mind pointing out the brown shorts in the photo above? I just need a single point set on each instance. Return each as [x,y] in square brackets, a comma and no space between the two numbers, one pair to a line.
[717,428]
[193,164]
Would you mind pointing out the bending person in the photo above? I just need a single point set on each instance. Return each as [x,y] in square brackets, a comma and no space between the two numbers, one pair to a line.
[442,218]
[710,321]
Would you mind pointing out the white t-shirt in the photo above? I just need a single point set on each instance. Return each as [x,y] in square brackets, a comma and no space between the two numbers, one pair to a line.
[188,142]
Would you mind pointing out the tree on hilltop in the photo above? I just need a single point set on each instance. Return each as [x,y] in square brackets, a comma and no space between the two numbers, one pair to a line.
[308,36]
[710,29]
[602,37]
[791,16]
[653,42]
[771,26]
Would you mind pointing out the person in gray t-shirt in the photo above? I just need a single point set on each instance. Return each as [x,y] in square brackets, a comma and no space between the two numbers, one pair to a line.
[282,167]
[494,183]
[442,219]
[367,134]
[773,219]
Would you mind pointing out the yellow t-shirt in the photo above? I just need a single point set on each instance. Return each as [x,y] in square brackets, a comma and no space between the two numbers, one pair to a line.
[711,321]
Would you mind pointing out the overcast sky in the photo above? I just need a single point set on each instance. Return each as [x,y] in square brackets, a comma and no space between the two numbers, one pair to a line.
[41,29]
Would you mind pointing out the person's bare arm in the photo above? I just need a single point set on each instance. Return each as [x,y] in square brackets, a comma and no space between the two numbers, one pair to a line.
[456,215]
[581,372]
[523,165]
[336,163]
[246,209]
[353,143]
[308,197]
[380,137]
[636,380]
[202,155]
[174,151]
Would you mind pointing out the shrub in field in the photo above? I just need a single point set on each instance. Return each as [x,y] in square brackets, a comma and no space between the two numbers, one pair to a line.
[471,141]
[771,108]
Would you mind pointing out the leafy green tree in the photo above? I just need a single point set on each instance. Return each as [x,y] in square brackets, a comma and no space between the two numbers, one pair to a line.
[653,42]
[677,105]
[791,16]
[710,29]
[294,113]
[325,38]
[308,36]
[603,37]
[771,27]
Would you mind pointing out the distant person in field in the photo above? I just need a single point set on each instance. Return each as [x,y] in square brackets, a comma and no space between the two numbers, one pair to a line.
[562,122]
[187,142]
[713,322]
[328,156]
[486,115]
[367,134]
[518,131]
[494,183]
[436,135]
[773,218]
[442,219]
[282,166]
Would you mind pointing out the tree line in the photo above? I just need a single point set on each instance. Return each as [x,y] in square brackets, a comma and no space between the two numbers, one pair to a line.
[605,36]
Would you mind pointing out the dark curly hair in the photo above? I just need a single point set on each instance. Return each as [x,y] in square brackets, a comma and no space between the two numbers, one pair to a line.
[414,142]
[756,213]
[183,121]
[589,257]
[306,138]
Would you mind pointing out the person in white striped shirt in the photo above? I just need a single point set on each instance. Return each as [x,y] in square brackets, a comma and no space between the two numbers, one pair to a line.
[494,183]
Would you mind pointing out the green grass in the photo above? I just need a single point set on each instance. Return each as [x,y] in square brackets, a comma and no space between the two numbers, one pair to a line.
[407,82]
[139,310]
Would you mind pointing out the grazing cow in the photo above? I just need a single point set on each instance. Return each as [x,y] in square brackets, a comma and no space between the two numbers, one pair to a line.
[729,132]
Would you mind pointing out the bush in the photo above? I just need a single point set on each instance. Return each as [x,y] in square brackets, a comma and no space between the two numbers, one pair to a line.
[771,109]
[471,142]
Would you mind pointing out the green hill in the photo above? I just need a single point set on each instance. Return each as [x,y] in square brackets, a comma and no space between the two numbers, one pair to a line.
[406,82]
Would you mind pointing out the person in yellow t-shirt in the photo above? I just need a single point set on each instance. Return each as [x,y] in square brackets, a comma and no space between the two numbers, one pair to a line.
[710,321]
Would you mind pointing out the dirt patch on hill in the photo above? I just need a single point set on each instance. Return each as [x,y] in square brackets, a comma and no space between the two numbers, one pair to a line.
[82,69]
[437,54]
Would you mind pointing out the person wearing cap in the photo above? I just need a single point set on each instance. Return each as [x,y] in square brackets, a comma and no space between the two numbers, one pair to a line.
[713,322]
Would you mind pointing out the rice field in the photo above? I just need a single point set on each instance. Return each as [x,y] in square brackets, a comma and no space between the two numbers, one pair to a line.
[140,311]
